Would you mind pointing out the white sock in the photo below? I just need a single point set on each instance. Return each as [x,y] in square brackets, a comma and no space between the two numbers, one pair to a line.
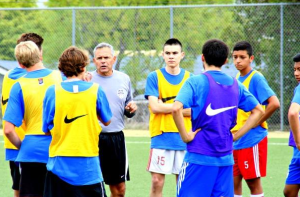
[257,195]
[237,195]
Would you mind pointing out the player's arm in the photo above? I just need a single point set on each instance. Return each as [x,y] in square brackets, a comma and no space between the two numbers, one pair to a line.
[187,112]
[273,104]
[104,113]
[131,106]
[158,107]
[10,133]
[255,115]
[293,117]
[179,121]
[48,110]
[104,123]
[130,109]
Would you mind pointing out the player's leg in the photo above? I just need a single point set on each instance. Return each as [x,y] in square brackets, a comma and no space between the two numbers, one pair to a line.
[237,177]
[117,190]
[224,182]
[258,167]
[32,179]
[160,163]
[255,186]
[55,187]
[291,190]
[196,180]
[15,175]
[157,184]
[114,162]
[95,190]
[178,160]
[292,183]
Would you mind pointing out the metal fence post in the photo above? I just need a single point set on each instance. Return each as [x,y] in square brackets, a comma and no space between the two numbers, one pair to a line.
[281,69]
[73,26]
[171,22]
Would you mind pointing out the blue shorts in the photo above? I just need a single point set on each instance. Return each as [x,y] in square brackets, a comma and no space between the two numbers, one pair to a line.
[202,181]
[294,172]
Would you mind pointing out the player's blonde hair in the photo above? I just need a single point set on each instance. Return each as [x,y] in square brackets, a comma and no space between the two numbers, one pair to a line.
[27,53]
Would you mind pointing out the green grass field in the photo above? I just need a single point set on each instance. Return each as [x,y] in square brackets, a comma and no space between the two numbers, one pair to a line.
[279,156]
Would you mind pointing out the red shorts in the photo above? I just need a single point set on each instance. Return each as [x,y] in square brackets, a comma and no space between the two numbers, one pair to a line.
[251,162]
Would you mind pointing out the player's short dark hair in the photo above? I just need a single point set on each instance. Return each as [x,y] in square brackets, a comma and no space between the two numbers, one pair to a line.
[243,46]
[173,41]
[72,61]
[37,39]
[215,52]
[296,58]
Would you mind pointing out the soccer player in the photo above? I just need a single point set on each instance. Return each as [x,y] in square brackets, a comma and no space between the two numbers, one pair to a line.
[70,113]
[250,152]
[292,184]
[214,98]
[25,104]
[167,148]
[117,87]
[10,78]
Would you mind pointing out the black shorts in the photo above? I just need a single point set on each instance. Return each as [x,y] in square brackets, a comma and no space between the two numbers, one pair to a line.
[113,158]
[15,174]
[32,179]
[55,187]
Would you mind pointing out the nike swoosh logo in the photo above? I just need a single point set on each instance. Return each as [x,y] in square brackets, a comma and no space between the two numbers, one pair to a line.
[211,112]
[67,120]
[168,98]
[4,101]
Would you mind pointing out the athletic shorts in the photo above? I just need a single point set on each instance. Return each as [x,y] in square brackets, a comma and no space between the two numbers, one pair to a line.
[15,174]
[165,161]
[55,187]
[32,179]
[293,176]
[113,158]
[251,162]
[202,181]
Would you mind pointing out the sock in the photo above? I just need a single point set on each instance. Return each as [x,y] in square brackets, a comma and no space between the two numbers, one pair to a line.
[257,195]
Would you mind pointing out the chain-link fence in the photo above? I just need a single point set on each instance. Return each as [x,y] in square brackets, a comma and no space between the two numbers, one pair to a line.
[138,34]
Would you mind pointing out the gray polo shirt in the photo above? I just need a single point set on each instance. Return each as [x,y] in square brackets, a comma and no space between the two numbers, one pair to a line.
[117,88]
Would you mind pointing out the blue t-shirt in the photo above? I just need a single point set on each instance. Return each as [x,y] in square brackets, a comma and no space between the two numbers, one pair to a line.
[34,147]
[168,140]
[16,73]
[296,99]
[261,90]
[75,170]
[193,95]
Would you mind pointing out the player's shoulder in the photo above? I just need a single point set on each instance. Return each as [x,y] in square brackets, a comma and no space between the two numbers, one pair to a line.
[258,76]
[297,88]
[152,74]
[200,79]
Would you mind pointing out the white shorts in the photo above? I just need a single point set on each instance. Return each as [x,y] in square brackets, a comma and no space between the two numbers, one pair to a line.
[165,161]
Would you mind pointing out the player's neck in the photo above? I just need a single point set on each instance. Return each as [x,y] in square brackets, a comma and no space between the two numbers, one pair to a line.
[245,71]
[173,70]
[211,67]
[79,77]
[37,66]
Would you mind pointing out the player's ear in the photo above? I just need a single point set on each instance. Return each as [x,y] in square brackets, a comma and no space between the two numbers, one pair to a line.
[21,65]
[226,61]
[202,58]
[182,55]
[251,58]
